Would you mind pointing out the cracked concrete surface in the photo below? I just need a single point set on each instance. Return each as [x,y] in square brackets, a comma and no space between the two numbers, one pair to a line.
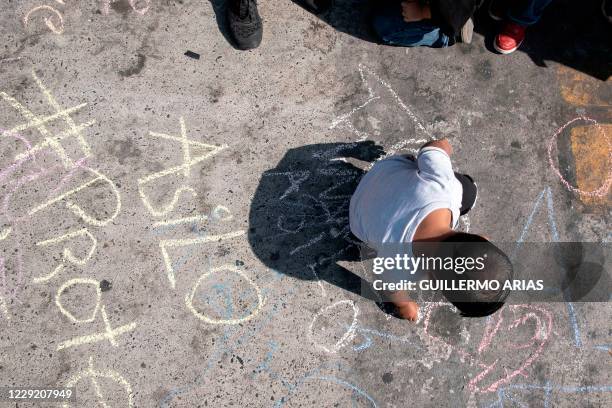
[172,228]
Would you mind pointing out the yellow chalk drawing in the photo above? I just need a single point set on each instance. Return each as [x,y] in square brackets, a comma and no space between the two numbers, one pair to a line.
[169,207]
[67,253]
[178,221]
[92,375]
[593,161]
[189,160]
[217,213]
[38,122]
[4,309]
[79,281]
[229,268]
[78,211]
[5,233]
[579,89]
[109,334]
[174,243]
[57,29]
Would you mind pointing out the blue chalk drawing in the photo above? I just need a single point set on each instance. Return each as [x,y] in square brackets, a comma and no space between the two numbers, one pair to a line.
[555,235]
[356,391]
[506,393]
[368,333]
[226,345]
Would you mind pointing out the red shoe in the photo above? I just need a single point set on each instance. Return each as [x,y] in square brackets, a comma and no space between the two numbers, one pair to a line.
[510,38]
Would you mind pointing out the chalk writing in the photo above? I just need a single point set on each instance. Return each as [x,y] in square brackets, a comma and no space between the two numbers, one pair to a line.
[231,269]
[79,281]
[76,209]
[368,76]
[67,253]
[508,393]
[174,243]
[38,122]
[603,189]
[189,160]
[94,375]
[109,334]
[348,335]
[356,391]
[57,28]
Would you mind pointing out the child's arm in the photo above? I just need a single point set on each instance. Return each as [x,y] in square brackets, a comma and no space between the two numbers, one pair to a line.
[434,162]
[440,144]
[413,10]
[406,308]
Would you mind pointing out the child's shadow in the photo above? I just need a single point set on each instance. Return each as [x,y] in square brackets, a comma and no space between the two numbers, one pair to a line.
[298,222]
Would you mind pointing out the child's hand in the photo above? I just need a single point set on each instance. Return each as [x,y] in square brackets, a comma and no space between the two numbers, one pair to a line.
[408,310]
[441,144]
[412,11]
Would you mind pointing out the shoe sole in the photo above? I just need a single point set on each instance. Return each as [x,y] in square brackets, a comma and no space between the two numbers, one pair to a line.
[467,32]
[505,52]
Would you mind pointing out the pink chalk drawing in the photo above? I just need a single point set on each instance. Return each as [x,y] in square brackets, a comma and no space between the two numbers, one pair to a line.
[497,324]
[601,191]
[15,164]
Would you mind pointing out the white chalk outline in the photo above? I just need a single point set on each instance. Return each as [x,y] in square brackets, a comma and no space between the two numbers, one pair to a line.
[55,29]
[261,300]
[174,243]
[76,281]
[77,210]
[38,122]
[113,375]
[109,334]
[348,335]
[188,161]
[344,119]
[67,254]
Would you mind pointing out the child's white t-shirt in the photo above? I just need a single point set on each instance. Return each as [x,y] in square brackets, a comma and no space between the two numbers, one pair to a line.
[394,197]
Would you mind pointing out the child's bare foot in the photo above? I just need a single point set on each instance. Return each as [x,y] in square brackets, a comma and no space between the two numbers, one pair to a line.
[408,310]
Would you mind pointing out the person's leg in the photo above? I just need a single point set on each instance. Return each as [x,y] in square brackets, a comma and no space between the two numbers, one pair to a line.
[526,12]
[470,192]
[519,15]
[390,26]
[317,6]
[244,23]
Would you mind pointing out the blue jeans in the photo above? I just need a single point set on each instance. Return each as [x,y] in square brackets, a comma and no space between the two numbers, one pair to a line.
[526,12]
[390,26]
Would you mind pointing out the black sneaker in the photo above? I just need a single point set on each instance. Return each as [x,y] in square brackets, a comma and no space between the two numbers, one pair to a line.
[244,23]
[317,6]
